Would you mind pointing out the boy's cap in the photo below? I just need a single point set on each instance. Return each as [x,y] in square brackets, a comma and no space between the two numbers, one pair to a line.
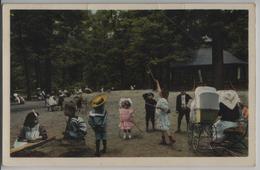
[149,94]
[98,100]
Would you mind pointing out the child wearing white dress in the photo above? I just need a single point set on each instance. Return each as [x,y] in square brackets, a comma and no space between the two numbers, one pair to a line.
[31,130]
[162,111]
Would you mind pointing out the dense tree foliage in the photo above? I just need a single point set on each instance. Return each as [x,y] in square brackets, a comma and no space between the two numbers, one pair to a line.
[109,48]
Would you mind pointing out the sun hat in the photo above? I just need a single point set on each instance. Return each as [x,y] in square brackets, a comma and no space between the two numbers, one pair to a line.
[122,100]
[98,100]
[229,98]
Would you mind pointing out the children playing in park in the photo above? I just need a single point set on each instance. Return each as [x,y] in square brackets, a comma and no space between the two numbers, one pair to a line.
[31,130]
[126,117]
[98,122]
[76,127]
[150,105]
[162,110]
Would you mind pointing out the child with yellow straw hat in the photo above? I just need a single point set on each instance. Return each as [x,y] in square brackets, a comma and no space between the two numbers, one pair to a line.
[98,120]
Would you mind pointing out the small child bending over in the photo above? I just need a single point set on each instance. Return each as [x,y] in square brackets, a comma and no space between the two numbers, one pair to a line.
[76,127]
[126,117]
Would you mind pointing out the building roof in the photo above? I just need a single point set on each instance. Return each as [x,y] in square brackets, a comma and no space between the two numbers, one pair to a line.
[203,56]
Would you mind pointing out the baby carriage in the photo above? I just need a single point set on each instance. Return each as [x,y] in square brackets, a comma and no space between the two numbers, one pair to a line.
[204,112]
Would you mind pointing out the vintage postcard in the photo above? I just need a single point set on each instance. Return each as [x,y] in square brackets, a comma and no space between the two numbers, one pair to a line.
[129,84]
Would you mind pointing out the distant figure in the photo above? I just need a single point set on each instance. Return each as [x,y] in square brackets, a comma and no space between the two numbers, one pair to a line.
[76,127]
[98,122]
[31,130]
[39,94]
[162,110]
[61,99]
[126,117]
[19,99]
[80,91]
[88,90]
[66,92]
[79,100]
[132,87]
[44,97]
[16,98]
[43,93]
[102,90]
[51,103]
[150,105]
[182,108]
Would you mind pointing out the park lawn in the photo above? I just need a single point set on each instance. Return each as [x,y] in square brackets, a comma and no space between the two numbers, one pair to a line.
[143,144]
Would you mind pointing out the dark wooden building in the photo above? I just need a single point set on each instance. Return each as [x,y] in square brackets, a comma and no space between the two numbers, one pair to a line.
[199,70]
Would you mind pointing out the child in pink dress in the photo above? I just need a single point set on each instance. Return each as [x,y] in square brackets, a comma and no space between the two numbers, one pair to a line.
[126,114]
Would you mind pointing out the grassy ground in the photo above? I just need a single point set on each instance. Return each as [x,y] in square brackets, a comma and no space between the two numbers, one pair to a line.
[142,145]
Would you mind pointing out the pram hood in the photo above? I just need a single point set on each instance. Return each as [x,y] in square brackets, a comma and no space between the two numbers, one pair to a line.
[229,98]
[206,98]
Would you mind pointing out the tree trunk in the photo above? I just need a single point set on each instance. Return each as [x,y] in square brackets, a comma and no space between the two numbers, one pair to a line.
[122,74]
[27,77]
[48,76]
[25,64]
[217,55]
[37,72]
[168,76]
[48,57]
[64,82]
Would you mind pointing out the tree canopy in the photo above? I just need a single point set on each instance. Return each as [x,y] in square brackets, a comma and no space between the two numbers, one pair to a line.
[111,48]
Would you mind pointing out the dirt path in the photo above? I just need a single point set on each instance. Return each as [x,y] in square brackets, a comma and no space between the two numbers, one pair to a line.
[142,144]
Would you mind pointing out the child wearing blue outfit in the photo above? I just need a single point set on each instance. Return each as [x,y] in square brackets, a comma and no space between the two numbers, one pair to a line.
[98,122]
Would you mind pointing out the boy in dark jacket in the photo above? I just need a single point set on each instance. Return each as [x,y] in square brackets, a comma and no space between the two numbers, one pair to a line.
[182,108]
[150,105]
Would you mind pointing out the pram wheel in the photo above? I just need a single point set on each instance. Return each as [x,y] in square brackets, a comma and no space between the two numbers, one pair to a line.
[195,143]
[190,132]
[196,134]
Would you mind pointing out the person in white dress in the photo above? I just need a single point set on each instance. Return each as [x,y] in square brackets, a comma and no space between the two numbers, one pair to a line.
[31,130]
[51,103]
[162,111]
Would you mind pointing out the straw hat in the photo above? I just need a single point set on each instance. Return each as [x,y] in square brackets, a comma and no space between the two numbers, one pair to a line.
[98,100]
